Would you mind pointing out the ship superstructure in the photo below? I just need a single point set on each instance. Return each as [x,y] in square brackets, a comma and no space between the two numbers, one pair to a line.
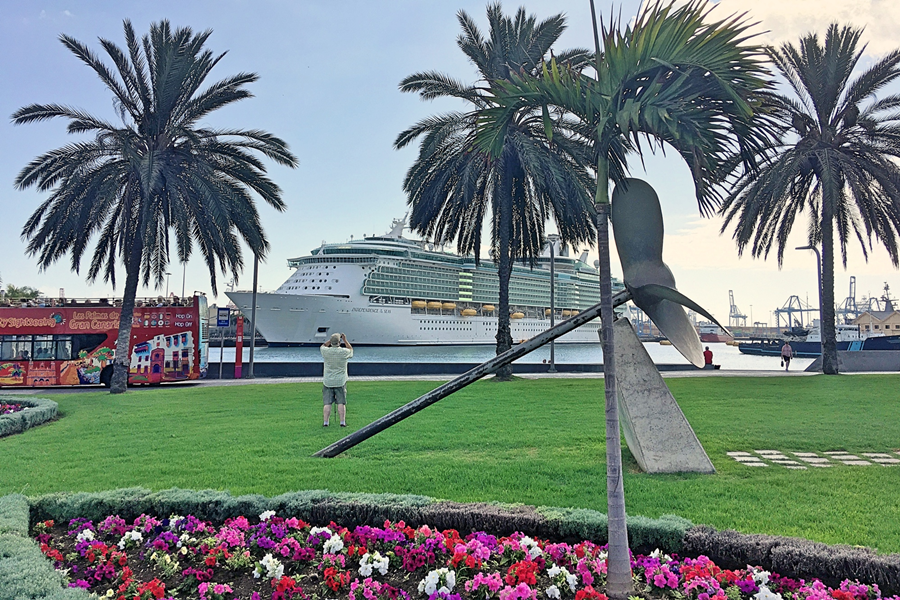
[390,290]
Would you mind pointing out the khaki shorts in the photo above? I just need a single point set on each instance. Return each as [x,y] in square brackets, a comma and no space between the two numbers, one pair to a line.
[334,395]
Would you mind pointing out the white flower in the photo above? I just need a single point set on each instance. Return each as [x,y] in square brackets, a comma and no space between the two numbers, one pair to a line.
[554,571]
[316,530]
[759,576]
[552,592]
[266,515]
[333,545]
[660,555]
[86,535]
[429,585]
[130,536]
[273,567]
[572,580]
[370,562]
[765,593]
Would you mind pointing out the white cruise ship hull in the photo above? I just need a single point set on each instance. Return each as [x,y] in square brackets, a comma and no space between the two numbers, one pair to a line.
[307,320]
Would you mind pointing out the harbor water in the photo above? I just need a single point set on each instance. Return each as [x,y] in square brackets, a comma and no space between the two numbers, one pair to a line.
[729,357]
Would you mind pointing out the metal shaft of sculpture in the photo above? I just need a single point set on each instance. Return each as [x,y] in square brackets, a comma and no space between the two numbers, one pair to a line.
[467,378]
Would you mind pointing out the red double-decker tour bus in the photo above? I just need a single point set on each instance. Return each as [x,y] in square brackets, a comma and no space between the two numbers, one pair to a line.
[73,342]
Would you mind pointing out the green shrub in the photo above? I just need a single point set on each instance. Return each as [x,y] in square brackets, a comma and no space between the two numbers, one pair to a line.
[24,572]
[38,411]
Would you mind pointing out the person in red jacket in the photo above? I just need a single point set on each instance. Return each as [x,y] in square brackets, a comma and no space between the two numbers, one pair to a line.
[707,359]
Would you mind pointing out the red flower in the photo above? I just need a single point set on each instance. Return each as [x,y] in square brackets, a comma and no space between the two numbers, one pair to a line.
[842,595]
[589,593]
[521,572]
[210,561]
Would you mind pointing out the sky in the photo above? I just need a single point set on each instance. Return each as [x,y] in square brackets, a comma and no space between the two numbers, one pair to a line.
[329,74]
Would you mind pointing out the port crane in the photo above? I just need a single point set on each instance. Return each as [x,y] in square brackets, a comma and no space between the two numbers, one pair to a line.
[793,308]
[735,317]
[848,309]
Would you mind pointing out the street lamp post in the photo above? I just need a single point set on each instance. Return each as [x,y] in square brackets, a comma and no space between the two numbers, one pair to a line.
[250,374]
[553,238]
[167,283]
[819,279]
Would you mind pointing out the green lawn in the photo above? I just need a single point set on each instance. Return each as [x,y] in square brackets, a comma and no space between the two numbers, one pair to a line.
[531,441]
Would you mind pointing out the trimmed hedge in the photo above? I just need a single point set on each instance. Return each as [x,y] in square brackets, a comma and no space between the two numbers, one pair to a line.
[351,509]
[38,411]
[24,572]
[796,557]
[791,557]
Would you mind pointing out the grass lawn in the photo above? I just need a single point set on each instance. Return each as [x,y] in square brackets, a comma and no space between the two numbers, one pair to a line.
[531,441]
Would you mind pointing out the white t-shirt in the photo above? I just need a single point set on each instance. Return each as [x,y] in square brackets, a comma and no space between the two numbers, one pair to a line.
[335,371]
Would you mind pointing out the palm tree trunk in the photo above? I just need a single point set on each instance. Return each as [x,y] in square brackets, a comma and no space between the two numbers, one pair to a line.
[826,328]
[504,268]
[121,363]
[619,581]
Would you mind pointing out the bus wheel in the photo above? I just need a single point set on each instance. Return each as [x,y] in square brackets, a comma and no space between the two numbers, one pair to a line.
[106,376]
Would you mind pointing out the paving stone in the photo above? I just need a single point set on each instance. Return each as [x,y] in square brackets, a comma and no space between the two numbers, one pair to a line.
[887,461]
[733,454]
[877,455]
[755,464]
[746,458]
[835,452]
[764,452]
[857,463]
[820,465]
[785,461]
[806,454]
[814,459]
[797,467]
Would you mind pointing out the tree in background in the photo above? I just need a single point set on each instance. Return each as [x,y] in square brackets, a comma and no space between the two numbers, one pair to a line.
[155,173]
[673,76]
[836,161]
[453,183]
[25,292]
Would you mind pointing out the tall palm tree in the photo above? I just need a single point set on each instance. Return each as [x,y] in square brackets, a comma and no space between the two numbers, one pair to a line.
[452,184]
[674,76]
[836,161]
[156,172]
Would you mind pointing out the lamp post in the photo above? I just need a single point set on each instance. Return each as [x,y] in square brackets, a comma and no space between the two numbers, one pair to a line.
[819,279]
[553,238]
[250,374]
[167,283]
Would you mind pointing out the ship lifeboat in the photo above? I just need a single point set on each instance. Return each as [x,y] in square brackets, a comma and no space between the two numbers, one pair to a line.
[448,305]
[488,308]
[567,313]
[469,312]
[418,304]
[434,305]
[665,343]
[517,315]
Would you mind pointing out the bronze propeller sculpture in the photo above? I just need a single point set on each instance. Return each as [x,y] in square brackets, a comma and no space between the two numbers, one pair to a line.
[638,230]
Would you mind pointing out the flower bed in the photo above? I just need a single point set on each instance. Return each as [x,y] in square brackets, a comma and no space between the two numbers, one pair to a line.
[286,558]
[9,408]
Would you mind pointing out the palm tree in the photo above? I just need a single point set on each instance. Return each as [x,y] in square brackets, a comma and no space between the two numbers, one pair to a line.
[836,161]
[157,172]
[24,292]
[674,76]
[452,184]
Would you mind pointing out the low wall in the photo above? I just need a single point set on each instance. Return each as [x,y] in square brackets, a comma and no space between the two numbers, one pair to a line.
[863,361]
[360,369]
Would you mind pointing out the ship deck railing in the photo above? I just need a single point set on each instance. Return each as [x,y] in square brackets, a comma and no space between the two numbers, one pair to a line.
[99,302]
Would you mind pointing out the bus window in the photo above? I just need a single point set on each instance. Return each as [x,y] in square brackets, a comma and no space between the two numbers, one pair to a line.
[43,347]
[15,347]
[63,347]
[86,342]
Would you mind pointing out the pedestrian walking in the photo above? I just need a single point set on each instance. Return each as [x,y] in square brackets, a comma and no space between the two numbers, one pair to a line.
[335,354]
[787,353]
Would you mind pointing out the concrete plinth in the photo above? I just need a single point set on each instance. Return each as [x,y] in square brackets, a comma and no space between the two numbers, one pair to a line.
[862,361]
[656,431]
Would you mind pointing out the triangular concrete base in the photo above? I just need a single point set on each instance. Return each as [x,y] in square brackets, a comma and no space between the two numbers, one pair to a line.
[657,433]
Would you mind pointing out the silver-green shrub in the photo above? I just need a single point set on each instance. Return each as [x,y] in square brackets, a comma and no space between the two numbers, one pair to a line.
[37,411]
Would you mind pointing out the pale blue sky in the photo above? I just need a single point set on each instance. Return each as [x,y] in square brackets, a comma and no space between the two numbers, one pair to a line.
[328,85]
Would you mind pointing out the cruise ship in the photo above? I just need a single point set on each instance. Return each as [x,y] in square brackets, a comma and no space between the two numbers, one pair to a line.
[393,291]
